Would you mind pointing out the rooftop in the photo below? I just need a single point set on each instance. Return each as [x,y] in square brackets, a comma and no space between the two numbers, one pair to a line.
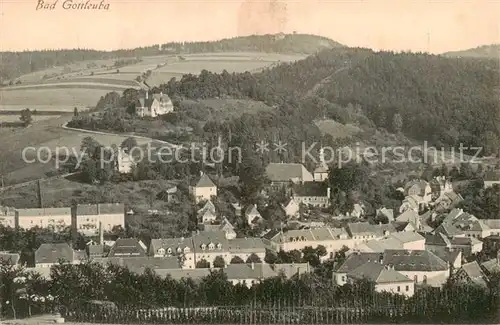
[377,273]
[281,172]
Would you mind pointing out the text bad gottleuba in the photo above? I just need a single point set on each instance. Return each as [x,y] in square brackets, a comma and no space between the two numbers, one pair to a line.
[72,5]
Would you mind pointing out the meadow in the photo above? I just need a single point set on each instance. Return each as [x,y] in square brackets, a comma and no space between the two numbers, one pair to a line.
[40,99]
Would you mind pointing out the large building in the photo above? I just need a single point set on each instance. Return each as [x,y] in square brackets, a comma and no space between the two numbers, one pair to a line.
[56,219]
[88,217]
[282,174]
[153,106]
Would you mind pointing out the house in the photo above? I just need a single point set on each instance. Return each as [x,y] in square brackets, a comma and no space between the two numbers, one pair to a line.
[316,194]
[440,185]
[210,244]
[440,242]
[224,226]
[410,203]
[127,247]
[494,225]
[471,226]
[386,279]
[333,239]
[388,213]
[88,217]
[409,240]
[364,231]
[244,247]
[453,258]
[56,219]
[411,217]
[248,274]
[491,178]
[358,210]
[289,270]
[181,248]
[420,189]
[448,230]
[252,215]
[124,161]
[447,200]
[291,208]
[397,240]
[153,106]
[7,217]
[471,273]
[281,174]
[320,174]
[491,266]
[49,254]
[10,258]
[139,264]
[207,216]
[203,188]
[421,266]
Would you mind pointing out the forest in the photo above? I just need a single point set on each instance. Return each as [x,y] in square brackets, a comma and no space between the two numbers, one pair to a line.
[15,64]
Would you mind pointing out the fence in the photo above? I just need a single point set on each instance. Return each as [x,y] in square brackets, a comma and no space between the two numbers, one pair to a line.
[253,314]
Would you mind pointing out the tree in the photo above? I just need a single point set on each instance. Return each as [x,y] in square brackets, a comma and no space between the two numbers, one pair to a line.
[26,117]
[202,264]
[128,144]
[237,260]
[253,258]
[397,123]
[219,262]
[75,112]
[90,146]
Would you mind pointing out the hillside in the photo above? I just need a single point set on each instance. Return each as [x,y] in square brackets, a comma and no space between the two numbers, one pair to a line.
[485,51]
[15,64]
[444,101]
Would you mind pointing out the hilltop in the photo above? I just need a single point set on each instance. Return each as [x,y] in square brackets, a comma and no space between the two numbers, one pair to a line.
[484,51]
[15,64]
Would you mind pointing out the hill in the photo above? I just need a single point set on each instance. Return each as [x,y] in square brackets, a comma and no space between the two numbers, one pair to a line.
[15,64]
[485,51]
[442,100]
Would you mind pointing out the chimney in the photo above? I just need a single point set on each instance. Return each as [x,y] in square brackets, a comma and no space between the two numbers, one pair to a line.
[101,234]
[253,266]
[147,94]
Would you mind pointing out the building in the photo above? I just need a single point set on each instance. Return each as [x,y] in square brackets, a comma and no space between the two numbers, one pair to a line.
[7,217]
[320,174]
[421,266]
[386,279]
[471,273]
[203,188]
[181,248]
[315,194]
[244,247]
[363,231]
[491,178]
[410,216]
[281,174]
[56,219]
[128,247]
[441,243]
[207,214]
[248,274]
[291,208]
[398,240]
[50,254]
[387,213]
[358,210]
[419,188]
[88,217]
[124,161]
[494,225]
[252,215]
[139,264]
[10,258]
[153,106]
[224,226]
[209,245]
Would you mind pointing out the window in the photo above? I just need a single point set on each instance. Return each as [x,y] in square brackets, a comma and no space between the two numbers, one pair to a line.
[425,279]
[343,278]
[219,245]
[203,246]
[211,246]
[399,289]
[169,250]
[415,278]
[161,251]
[407,288]
[179,250]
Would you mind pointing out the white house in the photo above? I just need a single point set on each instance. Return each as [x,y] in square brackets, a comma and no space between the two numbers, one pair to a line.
[53,218]
[252,215]
[156,105]
[291,208]
[88,216]
[180,247]
[203,188]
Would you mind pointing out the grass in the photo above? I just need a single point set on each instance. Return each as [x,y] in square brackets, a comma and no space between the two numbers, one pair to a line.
[12,109]
[15,118]
[51,97]
[45,133]
[68,84]
[336,129]
[104,79]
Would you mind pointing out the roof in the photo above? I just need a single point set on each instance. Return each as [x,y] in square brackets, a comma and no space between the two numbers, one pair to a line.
[7,211]
[492,223]
[127,247]
[453,215]
[51,253]
[380,246]
[95,250]
[139,264]
[210,237]
[310,189]
[204,181]
[178,274]
[146,102]
[172,243]
[321,169]
[249,271]
[408,216]
[448,229]
[448,256]
[491,266]
[474,273]
[11,258]
[291,269]
[377,273]
[248,245]
[252,210]
[436,239]
[389,213]
[98,209]
[365,228]
[407,236]
[419,182]
[209,206]
[402,260]
[41,212]
[279,172]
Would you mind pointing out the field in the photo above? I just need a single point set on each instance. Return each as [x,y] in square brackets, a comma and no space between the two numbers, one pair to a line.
[15,118]
[336,129]
[45,133]
[48,99]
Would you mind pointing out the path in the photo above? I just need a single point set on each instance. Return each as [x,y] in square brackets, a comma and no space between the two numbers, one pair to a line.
[313,90]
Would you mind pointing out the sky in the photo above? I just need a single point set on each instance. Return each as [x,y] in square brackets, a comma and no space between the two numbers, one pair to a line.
[399,25]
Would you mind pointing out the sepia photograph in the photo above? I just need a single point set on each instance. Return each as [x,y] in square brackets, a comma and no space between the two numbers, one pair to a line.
[249,162]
